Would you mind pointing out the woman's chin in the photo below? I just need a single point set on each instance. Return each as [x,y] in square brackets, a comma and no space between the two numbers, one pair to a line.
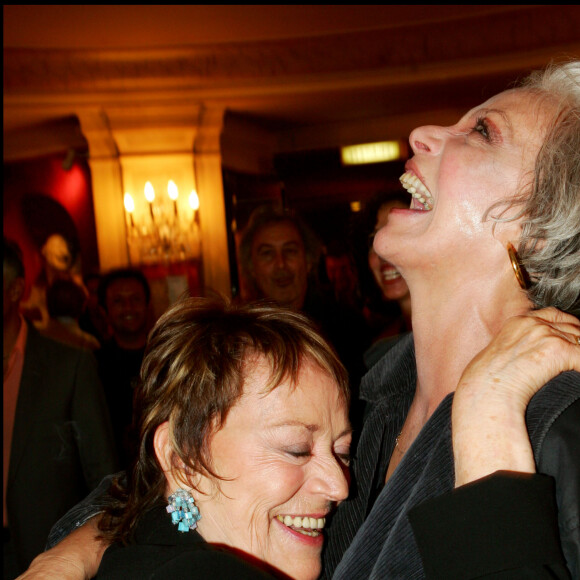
[311,574]
[394,289]
[298,570]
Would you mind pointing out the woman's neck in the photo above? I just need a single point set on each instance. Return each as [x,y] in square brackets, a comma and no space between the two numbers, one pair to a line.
[451,327]
[405,306]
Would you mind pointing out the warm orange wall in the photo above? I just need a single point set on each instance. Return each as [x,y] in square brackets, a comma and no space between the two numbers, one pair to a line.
[71,189]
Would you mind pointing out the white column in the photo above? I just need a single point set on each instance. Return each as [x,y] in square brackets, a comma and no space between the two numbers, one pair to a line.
[107,189]
[208,171]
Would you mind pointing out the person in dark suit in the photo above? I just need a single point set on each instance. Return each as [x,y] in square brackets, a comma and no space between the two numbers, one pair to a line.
[57,438]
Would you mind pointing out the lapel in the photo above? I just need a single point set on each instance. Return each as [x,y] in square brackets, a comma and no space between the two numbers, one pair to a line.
[29,404]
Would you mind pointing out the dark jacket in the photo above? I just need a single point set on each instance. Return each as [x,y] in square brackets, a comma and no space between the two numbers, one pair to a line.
[385,545]
[371,536]
[62,442]
[158,551]
[504,527]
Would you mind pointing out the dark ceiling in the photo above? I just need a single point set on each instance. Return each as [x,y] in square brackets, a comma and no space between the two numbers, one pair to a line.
[309,76]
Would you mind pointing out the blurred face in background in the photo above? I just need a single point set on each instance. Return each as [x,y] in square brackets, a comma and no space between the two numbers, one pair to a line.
[126,303]
[279,264]
[341,273]
[57,253]
[389,280]
[13,289]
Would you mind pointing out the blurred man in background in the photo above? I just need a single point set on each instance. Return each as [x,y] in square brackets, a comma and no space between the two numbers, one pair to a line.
[57,437]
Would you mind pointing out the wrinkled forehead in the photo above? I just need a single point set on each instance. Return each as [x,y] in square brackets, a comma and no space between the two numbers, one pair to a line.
[259,371]
[260,375]
[276,233]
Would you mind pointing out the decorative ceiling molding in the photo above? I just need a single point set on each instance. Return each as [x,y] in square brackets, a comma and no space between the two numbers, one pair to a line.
[553,30]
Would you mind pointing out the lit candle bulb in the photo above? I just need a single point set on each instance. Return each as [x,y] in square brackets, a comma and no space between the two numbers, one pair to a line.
[194,200]
[150,196]
[194,204]
[173,194]
[129,207]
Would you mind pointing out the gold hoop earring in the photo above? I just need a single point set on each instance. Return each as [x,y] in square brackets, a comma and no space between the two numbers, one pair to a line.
[519,271]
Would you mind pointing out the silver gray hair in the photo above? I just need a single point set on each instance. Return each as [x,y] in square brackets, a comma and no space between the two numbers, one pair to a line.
[267,215]
[549,247]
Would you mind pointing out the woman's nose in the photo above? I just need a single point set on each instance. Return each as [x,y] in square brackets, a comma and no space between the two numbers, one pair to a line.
[426,139]
[331,480]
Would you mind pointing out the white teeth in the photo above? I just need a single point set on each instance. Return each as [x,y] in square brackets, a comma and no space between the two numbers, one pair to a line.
[391,275]
[302,524]
[417,190]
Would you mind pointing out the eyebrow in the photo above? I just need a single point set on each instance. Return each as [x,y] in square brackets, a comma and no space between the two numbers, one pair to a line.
[284,244]
[309,427]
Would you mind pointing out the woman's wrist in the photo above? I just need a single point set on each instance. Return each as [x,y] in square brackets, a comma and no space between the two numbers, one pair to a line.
[76,557]
[489,434]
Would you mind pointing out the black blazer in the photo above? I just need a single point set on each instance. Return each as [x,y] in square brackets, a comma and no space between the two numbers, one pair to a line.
[62,442]
[504,527]
[158,551]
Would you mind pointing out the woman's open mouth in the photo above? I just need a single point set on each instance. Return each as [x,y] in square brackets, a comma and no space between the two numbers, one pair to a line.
[422,199]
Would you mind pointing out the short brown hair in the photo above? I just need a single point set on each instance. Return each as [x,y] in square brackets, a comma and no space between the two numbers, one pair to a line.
[193,373]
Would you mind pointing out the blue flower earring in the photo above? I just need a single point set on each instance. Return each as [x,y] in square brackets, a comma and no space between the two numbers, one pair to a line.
[184,513]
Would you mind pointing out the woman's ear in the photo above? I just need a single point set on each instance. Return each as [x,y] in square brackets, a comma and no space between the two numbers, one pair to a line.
[508,231]
[176,473]
[162,446]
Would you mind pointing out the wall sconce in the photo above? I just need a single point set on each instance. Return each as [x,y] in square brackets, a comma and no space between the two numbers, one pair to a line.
[372,152]
[162,228]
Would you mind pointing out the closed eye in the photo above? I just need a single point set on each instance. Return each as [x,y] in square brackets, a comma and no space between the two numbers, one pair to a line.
[299,453]
[482,127]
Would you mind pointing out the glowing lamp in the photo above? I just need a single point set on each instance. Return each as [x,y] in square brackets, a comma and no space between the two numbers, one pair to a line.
[149,192]
[172,190]
[129,203]
[194,200]
[370,153]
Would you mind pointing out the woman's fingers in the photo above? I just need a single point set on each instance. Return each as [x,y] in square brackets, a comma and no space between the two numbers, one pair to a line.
[489,431]
[566,325]
[527,352]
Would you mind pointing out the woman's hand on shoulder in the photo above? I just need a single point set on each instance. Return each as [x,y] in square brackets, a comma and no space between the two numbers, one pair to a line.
[488,418]
[528,351]
[76,557]
[49,566]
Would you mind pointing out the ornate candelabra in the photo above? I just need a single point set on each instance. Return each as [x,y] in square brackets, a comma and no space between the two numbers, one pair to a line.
[164,230]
